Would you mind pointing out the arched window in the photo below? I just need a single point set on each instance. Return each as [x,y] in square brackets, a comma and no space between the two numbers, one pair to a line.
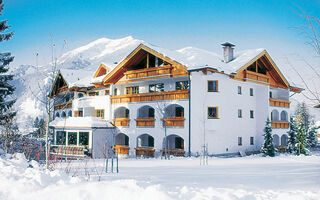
[121,112]
[145,140]
[174,110]
[70,113]
[122,139]
[274,115]
[173,142]
[276,141]
[146,112]
[63,114]
[80,95]
[284,116]
[284,140]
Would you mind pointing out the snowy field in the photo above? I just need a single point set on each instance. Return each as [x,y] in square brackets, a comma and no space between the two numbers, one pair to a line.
[252,177]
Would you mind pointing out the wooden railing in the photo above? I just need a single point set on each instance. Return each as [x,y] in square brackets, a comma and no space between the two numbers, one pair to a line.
[153,71]
[279,124]
[156,96]
[145,121]
[145,151]
[279,103]
[256,76]
[67,151]
[174,152]
[121,149]
[121,121]
[61,106]
[173,122]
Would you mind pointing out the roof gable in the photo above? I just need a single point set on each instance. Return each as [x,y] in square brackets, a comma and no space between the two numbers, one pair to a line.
[58,83]
[102,70]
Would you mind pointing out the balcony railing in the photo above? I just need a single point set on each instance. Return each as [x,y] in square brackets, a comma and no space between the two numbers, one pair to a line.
[62,89]
[173,122]
[279,124]
[121,149]
[145,151]
[156,96]
[256,76]
[279,103]
[174,152]
[121,121]
[67,151]
[145,121]
[61,106]
[147,72]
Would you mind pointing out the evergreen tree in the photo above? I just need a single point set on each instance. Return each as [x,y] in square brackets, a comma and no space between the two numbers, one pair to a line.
[292,141]
[6,89]
[301,136]
[312,135]
[268,147]
[302,112]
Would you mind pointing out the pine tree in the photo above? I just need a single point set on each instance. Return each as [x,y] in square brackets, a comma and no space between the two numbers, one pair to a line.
[302,112]
[292,141]
[301,136]
[268,147]
[6,89]
[312,135]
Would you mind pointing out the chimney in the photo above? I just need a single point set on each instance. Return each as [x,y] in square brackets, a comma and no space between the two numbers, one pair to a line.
[227,52]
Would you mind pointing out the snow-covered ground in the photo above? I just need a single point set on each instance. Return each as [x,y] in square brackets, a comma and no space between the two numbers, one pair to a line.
[253,177]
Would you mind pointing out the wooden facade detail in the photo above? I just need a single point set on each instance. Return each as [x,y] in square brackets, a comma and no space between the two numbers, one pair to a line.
[173,122]
[67,151]
[121,121]
[279,103]
[121,149]
[147,72]
[145,151]
[64,105]
[157,96]
[174,152]
[279,124]
[62,89]
[145,121]
[256,77]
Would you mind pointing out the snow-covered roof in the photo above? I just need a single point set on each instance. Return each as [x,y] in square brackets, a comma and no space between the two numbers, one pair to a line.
[80,122]
[73,76]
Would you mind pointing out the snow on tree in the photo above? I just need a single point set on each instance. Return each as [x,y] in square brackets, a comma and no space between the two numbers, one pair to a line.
[6,89]
[268,147]
[312,135]
[301,136]
[292,133]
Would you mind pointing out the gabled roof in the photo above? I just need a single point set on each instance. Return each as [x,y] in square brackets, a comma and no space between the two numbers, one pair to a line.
[102,70]
[133,53]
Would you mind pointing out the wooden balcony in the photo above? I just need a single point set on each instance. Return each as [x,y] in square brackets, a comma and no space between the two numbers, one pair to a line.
[279,124]
[174,152]
[145,121]
[256,76]
[121,121]
[64,105]
[279,103]
[145,151]
[121,149]
[148,72]
[156,96]
[173,122]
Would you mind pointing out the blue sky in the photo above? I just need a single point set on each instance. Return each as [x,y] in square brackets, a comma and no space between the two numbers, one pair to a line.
[171,24]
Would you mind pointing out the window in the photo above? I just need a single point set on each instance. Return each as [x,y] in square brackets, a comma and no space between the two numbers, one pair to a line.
[151,112]
[239,90]
[251,91]
[132,90]
[100,113]
[239,113]
[251,114]
[182,85]
[212,112]
[93,93]
[270,94]
[239,141]
[72,138]
[60,137]
[159,87]
[212,86]
[78,113]
[83,138]
[115,91]
[107,92]
[251,140]
[179,111]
